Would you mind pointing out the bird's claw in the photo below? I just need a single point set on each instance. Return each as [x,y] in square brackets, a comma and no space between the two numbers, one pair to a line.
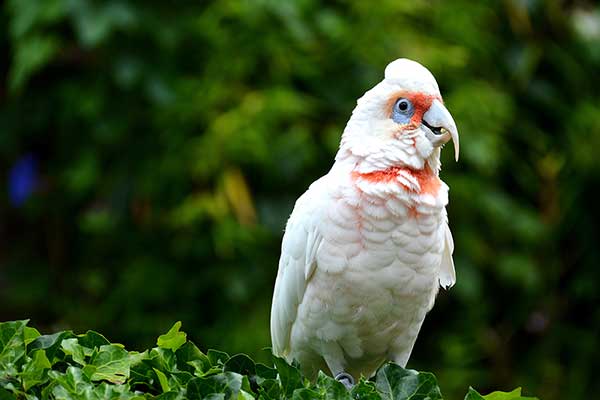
[346,379]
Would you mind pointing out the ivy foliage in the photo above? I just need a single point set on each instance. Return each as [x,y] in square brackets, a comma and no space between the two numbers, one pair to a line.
[64,365]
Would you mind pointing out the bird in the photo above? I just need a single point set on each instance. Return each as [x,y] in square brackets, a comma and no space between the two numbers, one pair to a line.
[368,245]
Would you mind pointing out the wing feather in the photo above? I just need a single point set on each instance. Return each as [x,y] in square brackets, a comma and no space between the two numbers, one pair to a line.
[447,272]
[299,247]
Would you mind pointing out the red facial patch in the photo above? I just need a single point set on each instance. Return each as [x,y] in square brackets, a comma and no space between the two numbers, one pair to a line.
[421,101]
[428,181]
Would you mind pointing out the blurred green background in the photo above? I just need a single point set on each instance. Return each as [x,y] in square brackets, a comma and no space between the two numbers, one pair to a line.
[151,151]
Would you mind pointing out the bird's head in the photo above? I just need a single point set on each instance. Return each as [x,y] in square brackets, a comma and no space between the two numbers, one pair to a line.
[401,122]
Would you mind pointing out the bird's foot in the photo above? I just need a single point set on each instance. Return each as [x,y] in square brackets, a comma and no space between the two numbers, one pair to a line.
[346,379]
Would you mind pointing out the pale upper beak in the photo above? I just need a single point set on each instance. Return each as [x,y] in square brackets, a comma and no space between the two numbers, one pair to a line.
[441,126]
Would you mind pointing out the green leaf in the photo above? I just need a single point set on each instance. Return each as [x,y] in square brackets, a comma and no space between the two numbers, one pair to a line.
[110,363]
[112,392]
[92,340]
[188,353]
[12,342]
[72,384]
[513,395]
[173,339]
[289,376]
[6,395]
[163,359]
[164,381]
[34,371]
[306,394]
[200,368]
[397,383]
[180,379]
[51,344]
[215,396]
[136,358]
[141,371]
[365,390]
[217,357]
[473,395]
[265,372]
[270,389]
[243,395]
[96,370]
[72,348]
[240,363]
[331,388]
[171,396]
[30,334]
[227,383]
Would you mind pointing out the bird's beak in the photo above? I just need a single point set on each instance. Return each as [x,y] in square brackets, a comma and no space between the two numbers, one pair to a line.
[441,126]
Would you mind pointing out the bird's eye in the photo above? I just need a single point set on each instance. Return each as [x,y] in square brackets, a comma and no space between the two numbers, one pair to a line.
[403,110]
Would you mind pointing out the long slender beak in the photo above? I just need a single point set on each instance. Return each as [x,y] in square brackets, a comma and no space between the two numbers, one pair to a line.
[441,126]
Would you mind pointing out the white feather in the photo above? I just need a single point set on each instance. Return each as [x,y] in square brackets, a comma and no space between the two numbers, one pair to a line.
[447,272]
[299,247]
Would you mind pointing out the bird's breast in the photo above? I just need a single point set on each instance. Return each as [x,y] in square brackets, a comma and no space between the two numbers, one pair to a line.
[381,226]
[377,274]
[379,259]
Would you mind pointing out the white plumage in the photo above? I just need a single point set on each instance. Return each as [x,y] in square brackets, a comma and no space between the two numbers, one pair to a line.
[368,245]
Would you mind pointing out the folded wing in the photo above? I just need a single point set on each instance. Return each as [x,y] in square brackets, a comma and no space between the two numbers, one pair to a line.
[296,265]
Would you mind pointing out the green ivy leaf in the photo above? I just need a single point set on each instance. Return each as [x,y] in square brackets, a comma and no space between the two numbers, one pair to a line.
[243,395]
[473,395]
[306,394]
[180,379]
[92,340]
[289,376]
[227,383]
[12,342]
[331,388]
[365,390]
[6,395]
[112,392]
[217,357]
[171,396]
[173,339]
[30,334]
[34,371]
[95,369]
[71,347]
[110,363]
[164,381]
[270,389]
[397,383]
[70,385]
[240,363]
[163,359]
[513,395]
[190,353]
[51,344]
[265,372]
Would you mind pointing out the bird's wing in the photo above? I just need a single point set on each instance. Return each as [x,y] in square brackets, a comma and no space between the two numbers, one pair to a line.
[447,273]
[296,265]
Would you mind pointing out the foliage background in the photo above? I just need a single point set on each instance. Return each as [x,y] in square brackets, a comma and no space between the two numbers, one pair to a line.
[151,151]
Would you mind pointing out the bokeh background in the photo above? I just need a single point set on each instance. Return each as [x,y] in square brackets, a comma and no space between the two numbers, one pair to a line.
[151,151]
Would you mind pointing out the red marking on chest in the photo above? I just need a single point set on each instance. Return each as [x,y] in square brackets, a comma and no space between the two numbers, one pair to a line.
[428,181]
[412,212]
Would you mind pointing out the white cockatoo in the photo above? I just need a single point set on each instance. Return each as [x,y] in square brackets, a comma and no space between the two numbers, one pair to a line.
[368,245]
